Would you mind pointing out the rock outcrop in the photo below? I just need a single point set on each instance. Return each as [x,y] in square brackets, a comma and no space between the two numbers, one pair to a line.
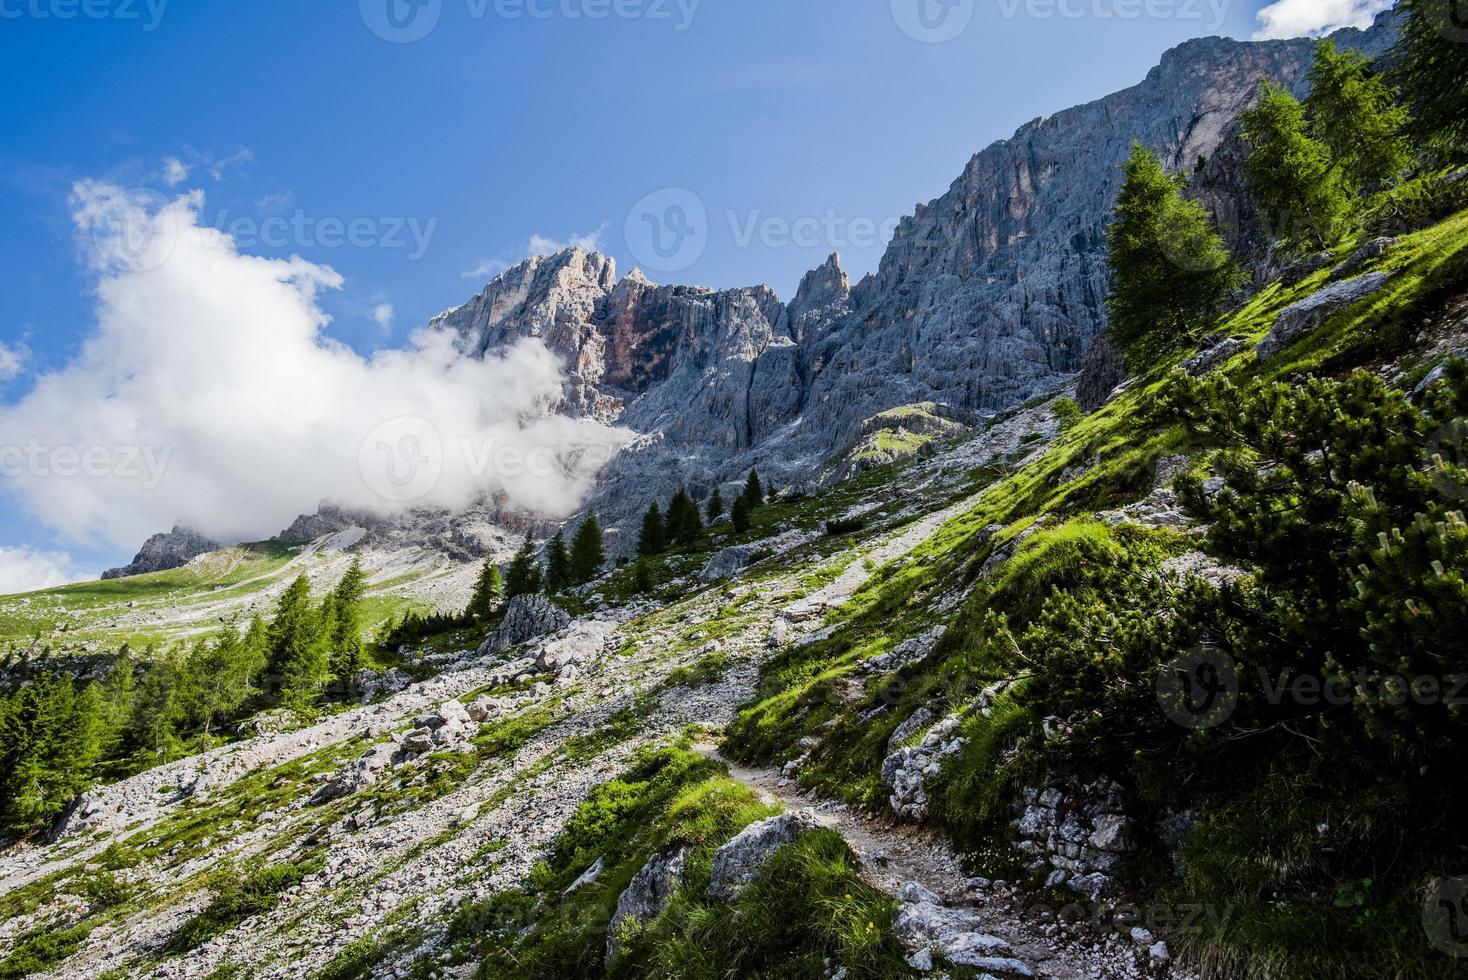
[527,617]
[738,862]
[164,551]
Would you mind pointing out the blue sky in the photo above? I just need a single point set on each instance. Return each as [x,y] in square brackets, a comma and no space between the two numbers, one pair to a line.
[416,166]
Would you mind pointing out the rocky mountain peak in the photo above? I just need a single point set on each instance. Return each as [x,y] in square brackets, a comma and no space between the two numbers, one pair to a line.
[161,552]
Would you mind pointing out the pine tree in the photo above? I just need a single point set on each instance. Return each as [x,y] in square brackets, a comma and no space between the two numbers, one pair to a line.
[558,574]
[221,677]
[1289,173]
[523,577]
[715,507]
[642,579]
[1432,73]
[587,552]
[754,491]
[1168,268]
[653,538]
[297,657]
[684,525]
[1357,117]
[345,618]
[739,513]
[488,591]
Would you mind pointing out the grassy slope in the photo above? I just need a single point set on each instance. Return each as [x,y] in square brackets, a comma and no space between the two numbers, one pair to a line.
[807,691]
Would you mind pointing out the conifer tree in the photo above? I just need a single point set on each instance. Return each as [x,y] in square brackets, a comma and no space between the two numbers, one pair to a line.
[1289,174]
[684,525]
[558,573]
[739,513]
[1168,267]
[1356,116]
[587,551]
[1432,73]
[524,576]
[653,538]
[488,591]
[297,655]
[754,491]
[345,617]
[715,506]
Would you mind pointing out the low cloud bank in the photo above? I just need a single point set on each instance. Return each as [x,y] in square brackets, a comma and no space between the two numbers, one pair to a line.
[208,396]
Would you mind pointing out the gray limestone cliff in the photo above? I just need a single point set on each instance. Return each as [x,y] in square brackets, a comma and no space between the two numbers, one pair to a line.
[987,296]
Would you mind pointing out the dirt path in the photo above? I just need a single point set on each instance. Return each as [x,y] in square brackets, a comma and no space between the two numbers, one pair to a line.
[894,854]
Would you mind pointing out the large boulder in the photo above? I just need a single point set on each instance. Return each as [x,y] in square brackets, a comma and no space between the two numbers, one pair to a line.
[527,617]
[645,896]
[1309,313]
[728,562]
[738,862]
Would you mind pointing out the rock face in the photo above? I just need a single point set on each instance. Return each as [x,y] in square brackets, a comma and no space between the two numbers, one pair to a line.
[986,297]
[1304,316]
[738,862]
[164,551]
[527,617]
[1082,832]
[645,896]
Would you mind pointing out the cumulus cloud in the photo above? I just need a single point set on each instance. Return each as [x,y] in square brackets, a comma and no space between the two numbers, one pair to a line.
[175,171]
[382,315]
[11,361]
[591,241]
[1313,18]
[209,397]
[25,570]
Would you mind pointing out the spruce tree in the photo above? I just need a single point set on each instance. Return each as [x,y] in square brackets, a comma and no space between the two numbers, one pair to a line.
[739,513]
[297,654]
[488,591]
[1432,73]
[684,525]
[558,573]
[524,577]
[587,552]
[1356,116]
[1168,267]
[716,506]
[754,491]
[1289,174]
[653,538]
[345,618]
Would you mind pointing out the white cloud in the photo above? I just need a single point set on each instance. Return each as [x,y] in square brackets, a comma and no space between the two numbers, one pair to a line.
[487,269]
[592,241]
[24,570]
[1313,18]
[11,361]
[175,172]
[382,315]
[208,397]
